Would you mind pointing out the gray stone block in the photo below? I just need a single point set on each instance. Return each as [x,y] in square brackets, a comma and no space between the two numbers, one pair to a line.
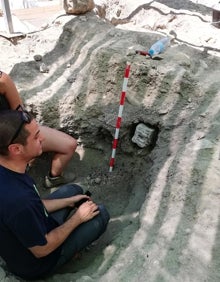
[143,135]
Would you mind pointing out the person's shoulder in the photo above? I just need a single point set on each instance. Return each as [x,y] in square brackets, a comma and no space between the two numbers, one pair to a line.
[4,173]
[10,180]
[12,194]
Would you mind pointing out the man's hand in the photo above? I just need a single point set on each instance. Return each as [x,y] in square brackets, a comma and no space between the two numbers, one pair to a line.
[87,211]
[75,199]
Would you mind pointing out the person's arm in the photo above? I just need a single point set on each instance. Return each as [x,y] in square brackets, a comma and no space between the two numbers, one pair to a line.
[9,90]
[56,204]
[57,236]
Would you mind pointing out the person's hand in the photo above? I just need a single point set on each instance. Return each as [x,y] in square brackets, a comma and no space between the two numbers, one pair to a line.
[87,211]
[75,199]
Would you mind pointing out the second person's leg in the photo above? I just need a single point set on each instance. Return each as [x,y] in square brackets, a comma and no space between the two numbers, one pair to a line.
[63,146]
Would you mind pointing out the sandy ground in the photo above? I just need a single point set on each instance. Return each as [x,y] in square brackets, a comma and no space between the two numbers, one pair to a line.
[164,201]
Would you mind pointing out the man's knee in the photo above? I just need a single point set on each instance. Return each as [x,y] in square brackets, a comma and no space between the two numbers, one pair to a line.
[71,145]
[65,191]
[104,215]
[71,189]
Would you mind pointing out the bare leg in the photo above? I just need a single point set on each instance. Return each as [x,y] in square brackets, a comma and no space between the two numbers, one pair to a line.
[63,146]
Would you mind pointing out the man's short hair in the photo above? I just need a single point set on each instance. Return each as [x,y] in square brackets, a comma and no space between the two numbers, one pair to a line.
[10,121]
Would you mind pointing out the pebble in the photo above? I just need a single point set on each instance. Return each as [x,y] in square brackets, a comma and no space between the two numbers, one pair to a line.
[98,180]
[37,58]
[44,68]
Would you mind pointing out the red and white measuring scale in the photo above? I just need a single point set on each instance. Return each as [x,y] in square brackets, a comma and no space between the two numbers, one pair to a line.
[119,118]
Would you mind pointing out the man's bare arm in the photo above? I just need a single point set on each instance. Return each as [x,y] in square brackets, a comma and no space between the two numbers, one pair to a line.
[56,204]
[57,236]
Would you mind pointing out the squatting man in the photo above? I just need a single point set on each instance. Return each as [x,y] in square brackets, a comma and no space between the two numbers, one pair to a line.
[39,235]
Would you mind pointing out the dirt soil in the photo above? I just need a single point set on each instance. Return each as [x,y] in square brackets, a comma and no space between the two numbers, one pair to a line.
[164,198]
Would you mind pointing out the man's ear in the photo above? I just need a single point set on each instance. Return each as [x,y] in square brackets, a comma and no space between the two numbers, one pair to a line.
[15,149]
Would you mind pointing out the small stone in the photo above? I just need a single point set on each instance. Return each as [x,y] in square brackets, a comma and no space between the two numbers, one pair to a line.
[37,58]
[44,68]
[78,7]
[202,115]
[71,79]
[97,180]
[163,112]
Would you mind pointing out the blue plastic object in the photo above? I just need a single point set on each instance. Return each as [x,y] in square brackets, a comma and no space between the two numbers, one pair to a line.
[159,46]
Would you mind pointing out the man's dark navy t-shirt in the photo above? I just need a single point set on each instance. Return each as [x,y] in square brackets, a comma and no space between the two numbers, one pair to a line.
[24,222]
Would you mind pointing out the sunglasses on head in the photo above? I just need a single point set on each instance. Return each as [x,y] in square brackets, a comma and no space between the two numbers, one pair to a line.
[25,118]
